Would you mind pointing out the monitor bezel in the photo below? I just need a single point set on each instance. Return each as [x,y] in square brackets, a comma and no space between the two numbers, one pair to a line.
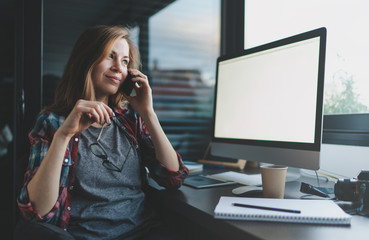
[321,33]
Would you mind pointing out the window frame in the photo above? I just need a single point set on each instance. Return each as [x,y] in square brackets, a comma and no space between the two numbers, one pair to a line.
[346,129]
[342,129]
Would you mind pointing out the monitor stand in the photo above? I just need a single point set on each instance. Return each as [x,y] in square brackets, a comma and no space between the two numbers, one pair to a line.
[293,174]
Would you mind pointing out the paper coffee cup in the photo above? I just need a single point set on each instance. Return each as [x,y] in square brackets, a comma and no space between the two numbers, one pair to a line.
[274,180]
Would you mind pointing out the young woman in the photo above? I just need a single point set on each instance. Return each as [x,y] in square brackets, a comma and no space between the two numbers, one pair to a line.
[89,149]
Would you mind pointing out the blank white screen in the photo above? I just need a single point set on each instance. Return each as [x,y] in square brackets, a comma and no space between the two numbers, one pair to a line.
[270,95]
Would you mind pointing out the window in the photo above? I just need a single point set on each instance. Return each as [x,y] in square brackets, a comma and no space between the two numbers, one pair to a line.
[346,106]
[183,48]
[346,80]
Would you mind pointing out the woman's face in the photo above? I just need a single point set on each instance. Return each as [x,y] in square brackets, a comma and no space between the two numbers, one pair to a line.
[111,71]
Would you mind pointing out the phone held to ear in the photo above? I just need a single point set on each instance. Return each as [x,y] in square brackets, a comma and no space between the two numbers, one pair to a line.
[127,85]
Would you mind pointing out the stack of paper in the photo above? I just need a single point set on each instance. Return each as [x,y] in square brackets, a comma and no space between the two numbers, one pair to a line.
[241,178]
[193,167]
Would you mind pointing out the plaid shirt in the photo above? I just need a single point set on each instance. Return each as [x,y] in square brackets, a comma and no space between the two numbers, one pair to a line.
[41,136]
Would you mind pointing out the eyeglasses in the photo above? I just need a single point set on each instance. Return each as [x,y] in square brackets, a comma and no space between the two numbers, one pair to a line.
[98,150]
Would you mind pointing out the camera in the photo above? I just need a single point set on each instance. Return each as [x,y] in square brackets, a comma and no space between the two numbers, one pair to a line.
[355,190]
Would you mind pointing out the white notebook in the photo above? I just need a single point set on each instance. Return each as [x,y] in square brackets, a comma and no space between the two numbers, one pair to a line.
[311,211]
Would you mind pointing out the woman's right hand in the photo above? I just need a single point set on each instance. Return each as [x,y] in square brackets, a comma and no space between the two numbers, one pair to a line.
[83,115]
[43,188]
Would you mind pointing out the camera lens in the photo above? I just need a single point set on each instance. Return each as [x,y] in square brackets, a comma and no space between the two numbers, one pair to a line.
[346,189]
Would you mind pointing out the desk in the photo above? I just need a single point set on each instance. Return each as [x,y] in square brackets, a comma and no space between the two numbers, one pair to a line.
[195,208]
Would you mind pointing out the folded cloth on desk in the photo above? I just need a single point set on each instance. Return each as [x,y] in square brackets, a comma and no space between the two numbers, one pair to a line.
[241,178]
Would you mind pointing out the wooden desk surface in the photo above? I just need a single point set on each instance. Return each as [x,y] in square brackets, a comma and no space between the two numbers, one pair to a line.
[197,205]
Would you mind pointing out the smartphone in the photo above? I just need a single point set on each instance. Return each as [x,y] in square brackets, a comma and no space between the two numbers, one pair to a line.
[127,85]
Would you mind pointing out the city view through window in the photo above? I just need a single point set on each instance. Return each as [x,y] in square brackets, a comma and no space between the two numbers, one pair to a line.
[184,45]
[347,77]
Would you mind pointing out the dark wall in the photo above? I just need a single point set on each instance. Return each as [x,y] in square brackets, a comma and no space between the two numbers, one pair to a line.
[6,113]
[6,60]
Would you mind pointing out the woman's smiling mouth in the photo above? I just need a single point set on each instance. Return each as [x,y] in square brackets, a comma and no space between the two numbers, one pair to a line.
[114,79]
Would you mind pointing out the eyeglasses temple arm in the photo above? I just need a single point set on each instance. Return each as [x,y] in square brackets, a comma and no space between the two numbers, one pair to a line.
[98,137]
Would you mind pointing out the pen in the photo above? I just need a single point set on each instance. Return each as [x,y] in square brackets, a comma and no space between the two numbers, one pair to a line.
[266,208]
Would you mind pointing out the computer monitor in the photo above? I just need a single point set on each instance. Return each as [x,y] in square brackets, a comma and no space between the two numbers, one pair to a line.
[269,102]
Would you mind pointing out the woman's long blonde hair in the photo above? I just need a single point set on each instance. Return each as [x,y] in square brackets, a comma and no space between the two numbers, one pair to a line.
[91,47]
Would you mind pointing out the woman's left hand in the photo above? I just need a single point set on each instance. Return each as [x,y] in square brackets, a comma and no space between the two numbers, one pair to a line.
[142,102]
